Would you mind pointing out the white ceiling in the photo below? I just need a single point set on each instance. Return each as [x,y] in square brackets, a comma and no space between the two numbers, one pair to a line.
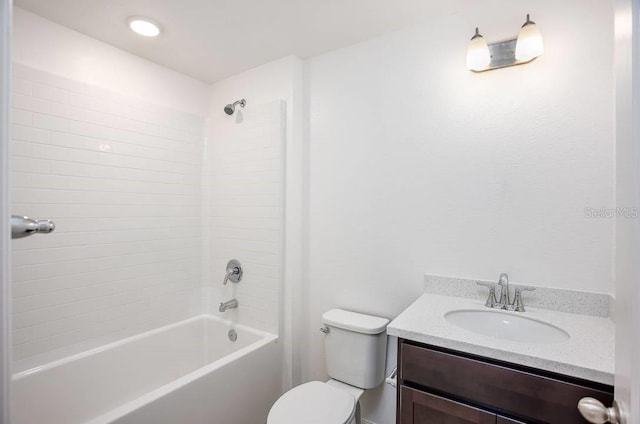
[213,39]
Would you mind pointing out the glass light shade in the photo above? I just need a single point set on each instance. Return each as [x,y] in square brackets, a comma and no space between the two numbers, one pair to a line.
[144,26]
[529,44]
[478,56]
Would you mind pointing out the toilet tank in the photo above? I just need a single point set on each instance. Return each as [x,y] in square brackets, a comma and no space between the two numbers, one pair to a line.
[355,347]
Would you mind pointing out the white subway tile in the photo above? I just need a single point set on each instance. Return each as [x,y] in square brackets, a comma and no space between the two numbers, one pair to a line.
[21,71]
[54,153]
[38,271]
[38,166]
[243,179]
[67,111]
[124,181]
[48,92]
[66,325]
[21,117]
[68,168]
[20,148]
[29,133]
[80,100]
[21,86]
[32,104]
[49,122]
[21,180]
[40,316]
[68,140]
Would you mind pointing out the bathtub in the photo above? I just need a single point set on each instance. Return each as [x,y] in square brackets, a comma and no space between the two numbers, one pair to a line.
[185,373]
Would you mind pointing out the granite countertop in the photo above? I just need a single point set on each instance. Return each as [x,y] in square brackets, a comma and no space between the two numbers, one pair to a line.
[587,354]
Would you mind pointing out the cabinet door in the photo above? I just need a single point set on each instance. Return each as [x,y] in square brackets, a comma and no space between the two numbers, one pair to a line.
[504,420]
[525,394]
[419,407]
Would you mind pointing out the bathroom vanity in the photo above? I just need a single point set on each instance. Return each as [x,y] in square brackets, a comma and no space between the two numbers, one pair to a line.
[460,362]
[438,385]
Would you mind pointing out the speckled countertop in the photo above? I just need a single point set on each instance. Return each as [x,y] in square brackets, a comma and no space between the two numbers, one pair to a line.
[588,354]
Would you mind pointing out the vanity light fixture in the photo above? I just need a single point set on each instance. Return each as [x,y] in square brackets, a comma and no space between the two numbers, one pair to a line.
[144,26]
[518,51]
[478,55]
[529,44]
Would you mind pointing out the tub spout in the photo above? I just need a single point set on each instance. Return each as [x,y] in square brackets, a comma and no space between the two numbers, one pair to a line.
[230,304]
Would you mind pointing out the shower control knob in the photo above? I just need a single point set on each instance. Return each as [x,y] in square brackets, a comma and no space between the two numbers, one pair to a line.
[234,272]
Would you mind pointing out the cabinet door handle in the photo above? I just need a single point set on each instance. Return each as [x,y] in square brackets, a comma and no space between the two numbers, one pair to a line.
[595,412]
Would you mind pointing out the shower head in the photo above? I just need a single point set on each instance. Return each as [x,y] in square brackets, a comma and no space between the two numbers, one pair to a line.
[229,109]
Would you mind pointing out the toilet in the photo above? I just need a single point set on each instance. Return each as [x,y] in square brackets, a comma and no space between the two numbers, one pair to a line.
[356,348]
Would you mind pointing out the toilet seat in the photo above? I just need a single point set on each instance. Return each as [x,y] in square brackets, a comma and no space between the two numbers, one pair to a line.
[313,403]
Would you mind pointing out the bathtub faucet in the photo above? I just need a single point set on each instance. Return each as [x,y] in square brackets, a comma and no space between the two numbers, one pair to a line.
[230,304]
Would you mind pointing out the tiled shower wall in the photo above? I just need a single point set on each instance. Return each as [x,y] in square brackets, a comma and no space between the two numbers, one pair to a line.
[244,210]
[122,180]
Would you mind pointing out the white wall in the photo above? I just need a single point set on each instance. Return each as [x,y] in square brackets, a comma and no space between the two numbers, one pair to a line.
[243,191]
[419,166]
[280,80]
[45,45]
[122,179]
[76,95]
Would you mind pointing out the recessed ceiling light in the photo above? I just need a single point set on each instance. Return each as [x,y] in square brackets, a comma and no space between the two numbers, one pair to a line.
[144,26]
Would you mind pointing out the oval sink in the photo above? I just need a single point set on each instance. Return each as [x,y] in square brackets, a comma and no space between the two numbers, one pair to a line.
[503,325]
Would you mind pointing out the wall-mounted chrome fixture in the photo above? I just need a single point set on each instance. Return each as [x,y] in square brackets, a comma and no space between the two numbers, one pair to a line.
[229,304]
[233,335]
[231,108]
[22,226]
[518,51]
[234,272]
[503,301]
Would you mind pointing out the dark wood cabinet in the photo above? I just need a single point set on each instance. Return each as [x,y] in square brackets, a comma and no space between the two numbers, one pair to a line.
[440,386]
[503,420]
[423,408]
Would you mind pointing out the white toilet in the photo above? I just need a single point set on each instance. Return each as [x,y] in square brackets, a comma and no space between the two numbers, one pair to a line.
[356,349]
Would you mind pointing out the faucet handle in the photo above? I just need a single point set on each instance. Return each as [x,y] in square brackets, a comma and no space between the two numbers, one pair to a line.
[234,272]
[517,304]
[491,299]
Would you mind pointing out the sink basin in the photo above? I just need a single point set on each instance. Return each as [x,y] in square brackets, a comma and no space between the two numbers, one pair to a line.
[508,326]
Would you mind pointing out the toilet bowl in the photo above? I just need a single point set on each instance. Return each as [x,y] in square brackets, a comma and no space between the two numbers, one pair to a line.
[355,346]
[317,402]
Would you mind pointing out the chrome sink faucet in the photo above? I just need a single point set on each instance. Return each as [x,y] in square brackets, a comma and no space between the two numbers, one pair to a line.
[503,282]
[503,301]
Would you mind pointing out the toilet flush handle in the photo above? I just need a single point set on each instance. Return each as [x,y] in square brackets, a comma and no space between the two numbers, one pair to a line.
[325,330]
[393,378]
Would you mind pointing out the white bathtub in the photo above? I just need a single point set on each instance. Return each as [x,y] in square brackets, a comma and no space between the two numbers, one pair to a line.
[184,373]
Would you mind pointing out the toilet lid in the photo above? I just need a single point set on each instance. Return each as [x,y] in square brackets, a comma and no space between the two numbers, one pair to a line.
[313,403]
